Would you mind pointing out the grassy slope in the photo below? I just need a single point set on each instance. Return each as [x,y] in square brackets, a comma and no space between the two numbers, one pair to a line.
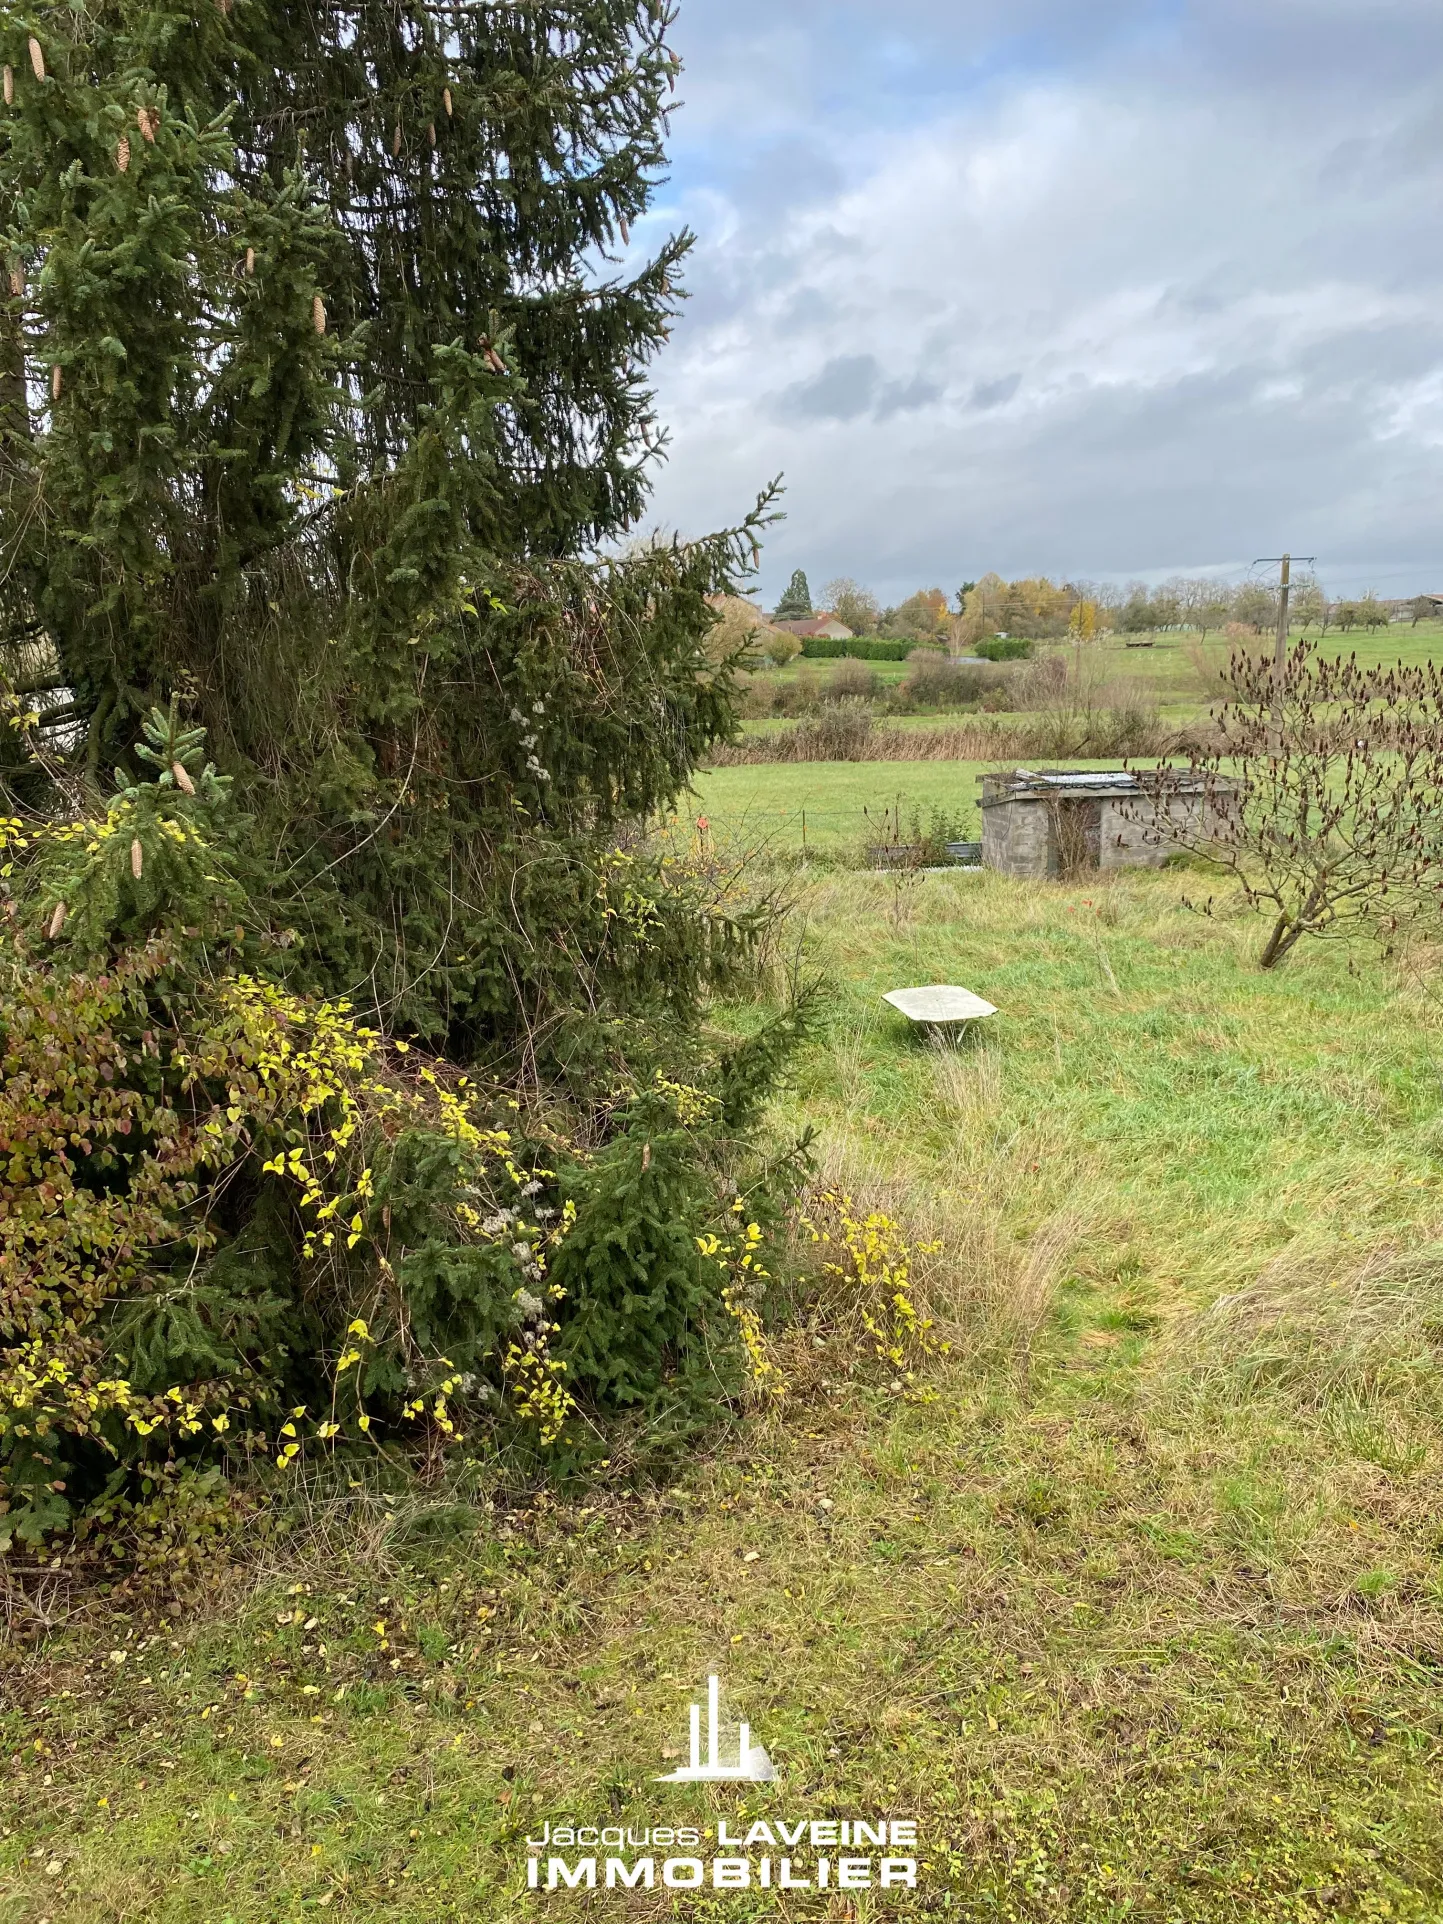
[1135,1639]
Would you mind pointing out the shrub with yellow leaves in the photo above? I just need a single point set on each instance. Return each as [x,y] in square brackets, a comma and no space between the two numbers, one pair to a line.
[738,1257]
[202,1180]
[239,1226]
[870,1256]
[233,1220]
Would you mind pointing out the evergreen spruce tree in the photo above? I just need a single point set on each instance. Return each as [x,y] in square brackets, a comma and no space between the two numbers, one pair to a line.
[796,603]
[320,386]
[323,405]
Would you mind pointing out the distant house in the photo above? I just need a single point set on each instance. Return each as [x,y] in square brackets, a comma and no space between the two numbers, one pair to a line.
[822,625]
[1062,822]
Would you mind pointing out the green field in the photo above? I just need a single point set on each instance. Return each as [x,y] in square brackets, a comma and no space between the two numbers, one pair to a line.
[1141,1615]
[761,807]
[1179,670]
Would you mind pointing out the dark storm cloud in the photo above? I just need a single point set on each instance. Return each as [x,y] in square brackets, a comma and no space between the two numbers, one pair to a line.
[1020,284]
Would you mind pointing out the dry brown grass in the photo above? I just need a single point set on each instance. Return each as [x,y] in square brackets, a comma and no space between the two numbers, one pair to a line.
[975,741]
[989,1291]
[1115,718]
[1325,1326]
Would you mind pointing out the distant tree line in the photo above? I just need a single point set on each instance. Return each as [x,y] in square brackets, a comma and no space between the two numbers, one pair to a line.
[1039,609]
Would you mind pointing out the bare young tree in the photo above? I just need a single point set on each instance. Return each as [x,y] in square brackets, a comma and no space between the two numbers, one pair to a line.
[1327,804]
[854,606]
[1256,604]
[1309,603]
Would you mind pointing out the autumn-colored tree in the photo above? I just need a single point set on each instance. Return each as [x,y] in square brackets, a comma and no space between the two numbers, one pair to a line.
[1082,623]
[1033,607]
[742,633]
[921,617]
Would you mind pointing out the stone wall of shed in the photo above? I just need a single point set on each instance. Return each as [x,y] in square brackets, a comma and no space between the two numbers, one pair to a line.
[1127,839]
[1015,839]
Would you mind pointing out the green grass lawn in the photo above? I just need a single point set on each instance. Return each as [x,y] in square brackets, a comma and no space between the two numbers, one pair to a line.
[1141,1614]
[1180,669]
[887,672]
[761,805]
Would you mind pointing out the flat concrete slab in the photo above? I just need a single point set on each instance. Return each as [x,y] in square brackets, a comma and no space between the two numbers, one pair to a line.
[940,1003]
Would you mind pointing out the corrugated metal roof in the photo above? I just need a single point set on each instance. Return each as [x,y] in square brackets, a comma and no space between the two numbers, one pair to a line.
[1081,778]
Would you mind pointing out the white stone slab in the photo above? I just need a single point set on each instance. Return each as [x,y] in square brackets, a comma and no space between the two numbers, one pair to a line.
[940,1003]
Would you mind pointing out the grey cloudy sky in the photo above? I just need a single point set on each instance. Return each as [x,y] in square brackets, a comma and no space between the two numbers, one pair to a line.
[1095,288]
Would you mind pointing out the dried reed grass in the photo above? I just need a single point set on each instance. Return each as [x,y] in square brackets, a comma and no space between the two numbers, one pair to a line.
[978,741]
[1126,724]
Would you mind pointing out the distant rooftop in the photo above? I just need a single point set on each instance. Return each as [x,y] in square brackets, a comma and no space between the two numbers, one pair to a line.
[820,625]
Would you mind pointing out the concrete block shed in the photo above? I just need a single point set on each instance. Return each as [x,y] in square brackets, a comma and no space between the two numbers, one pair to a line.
[1060,822]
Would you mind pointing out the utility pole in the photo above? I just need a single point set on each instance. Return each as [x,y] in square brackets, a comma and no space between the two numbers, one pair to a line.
[1284,564]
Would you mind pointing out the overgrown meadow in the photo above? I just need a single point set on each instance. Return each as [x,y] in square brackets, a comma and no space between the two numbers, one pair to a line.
[476,1254]
[1132,1596]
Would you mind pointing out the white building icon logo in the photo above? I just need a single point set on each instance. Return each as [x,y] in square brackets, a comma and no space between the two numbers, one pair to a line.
[753,1766]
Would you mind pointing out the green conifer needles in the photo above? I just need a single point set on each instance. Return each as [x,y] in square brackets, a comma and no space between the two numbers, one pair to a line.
[323,401]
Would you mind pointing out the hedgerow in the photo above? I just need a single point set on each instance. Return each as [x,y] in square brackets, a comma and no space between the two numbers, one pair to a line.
[861,648]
